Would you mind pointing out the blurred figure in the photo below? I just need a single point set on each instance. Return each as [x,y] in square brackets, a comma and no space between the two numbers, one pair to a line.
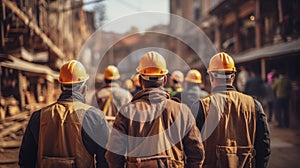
[269,97]
[242,78]
[233,125]
[282,87]
[62,134]
[137,84]
[177,78]
[111,96]
[255,86]
[193,90]
[128,84]
[153,131]
[271,76]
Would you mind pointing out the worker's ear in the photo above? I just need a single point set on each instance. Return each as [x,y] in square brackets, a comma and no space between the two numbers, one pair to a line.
[84,89]
[165,79]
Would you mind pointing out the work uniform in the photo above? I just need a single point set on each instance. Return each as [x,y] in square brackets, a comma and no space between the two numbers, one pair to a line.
[67,133]
[234,129]
[118,97]
[177,88]
[154,130]
[191,94]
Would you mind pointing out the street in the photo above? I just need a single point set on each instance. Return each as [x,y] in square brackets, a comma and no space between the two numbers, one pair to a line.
[285,147]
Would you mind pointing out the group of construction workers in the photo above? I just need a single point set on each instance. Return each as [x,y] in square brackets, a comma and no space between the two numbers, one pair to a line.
[151,126]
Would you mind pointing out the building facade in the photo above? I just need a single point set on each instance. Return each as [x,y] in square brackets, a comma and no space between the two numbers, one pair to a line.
[261,35]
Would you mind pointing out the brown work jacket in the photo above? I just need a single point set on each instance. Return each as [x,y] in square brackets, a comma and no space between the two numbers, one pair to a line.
[60,142]
[154,130]
[229,129]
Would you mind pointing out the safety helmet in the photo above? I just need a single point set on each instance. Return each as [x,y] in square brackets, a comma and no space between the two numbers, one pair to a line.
[136,80]
[111,73]
[194,76]
[221,62]
[152,64]
[72,72]
[177,75]
[129,84]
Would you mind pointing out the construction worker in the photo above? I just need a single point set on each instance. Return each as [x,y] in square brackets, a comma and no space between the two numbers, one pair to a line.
[67,133]
[233,125]
[153,130]
[177,79]
[111,96]
[128,84]
[136,83]
[193,89]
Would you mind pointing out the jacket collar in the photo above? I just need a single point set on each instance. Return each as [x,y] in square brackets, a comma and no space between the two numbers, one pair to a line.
[223,88]
[71,96]
[154,95]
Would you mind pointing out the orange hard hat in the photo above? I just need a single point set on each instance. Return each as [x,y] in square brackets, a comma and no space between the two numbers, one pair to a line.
[152,64]
[178,76]
[194,76]
[221,62]
[111,73]
[72,72]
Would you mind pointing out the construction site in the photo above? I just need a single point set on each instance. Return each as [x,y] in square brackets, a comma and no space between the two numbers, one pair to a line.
[38,36]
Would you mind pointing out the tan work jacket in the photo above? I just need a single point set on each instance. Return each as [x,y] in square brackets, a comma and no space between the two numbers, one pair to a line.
[154,126]
[229,129]
[60,142]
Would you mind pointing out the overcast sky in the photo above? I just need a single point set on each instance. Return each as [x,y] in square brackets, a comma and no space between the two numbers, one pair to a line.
[116,9]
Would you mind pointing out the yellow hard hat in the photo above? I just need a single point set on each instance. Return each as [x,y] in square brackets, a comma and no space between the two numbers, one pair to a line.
[152,64]
[194,76]
[72,72]
[221,62]
[129,84]
[136,80]
[111,73]
[178,76]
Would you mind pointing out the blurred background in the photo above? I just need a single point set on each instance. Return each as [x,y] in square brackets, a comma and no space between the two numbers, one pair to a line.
[38,36]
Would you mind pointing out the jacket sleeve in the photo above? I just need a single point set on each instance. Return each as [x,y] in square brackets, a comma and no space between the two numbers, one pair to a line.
[192,143]
[262,138]
[29,146]
[198,113]
[95,135]
[117,143]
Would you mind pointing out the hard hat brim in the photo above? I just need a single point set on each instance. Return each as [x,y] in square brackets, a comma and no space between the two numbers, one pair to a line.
[74,82]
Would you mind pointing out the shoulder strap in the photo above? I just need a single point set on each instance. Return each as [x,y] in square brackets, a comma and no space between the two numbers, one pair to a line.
[107,103]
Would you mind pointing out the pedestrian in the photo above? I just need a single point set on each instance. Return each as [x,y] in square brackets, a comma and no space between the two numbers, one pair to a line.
[233,125]
[177,79]
[255,86]
[271,76]
[111,96]
[154,130]
[269,100]
[242,78]
[67,133]
[193,91]
[282,87]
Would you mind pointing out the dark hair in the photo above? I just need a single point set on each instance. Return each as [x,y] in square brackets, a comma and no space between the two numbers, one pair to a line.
[191,84]
[73,87]
[109,81]
[151,83]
